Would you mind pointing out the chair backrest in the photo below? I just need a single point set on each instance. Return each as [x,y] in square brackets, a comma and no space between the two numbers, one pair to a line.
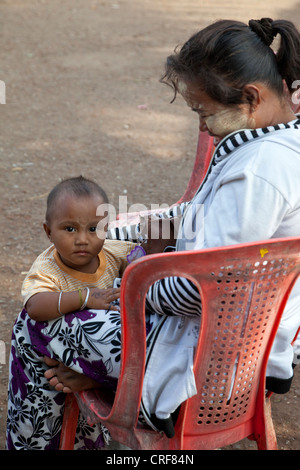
[202,161]
[244,289]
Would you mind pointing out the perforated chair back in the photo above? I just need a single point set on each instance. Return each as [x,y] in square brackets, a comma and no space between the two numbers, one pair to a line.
[244,289]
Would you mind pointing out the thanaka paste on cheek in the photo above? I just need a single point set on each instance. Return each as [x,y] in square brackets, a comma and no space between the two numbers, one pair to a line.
[219,119]
[226,121]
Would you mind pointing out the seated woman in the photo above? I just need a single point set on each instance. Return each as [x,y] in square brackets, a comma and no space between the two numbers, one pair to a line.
[230,76]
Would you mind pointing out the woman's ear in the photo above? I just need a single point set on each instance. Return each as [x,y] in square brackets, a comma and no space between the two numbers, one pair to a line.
[47,230]
[252,95]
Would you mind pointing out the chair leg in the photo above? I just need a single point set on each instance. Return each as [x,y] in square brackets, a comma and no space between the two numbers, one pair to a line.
[69,424]
[267,440]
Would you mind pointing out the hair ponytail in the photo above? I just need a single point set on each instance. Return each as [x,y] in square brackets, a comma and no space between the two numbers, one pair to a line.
[288,54]
[264,29]
[227,55]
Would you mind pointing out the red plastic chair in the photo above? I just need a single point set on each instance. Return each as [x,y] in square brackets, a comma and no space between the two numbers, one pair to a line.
[205,149]
[244,289]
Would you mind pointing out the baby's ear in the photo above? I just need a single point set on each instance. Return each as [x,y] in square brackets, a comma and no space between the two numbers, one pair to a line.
[47,230]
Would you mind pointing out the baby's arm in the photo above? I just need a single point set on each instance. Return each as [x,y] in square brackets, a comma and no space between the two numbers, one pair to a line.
[45,306]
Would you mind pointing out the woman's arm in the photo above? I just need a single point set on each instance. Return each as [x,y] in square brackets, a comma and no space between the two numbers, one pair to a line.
[45,306]
[133,232]
[174,296]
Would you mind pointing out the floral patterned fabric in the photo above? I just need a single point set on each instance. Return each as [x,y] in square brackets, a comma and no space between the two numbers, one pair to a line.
[89,342]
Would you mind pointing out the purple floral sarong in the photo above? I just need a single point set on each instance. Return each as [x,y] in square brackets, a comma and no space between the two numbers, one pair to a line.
[89,342]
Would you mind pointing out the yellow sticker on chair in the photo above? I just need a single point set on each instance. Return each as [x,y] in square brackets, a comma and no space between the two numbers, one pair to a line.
[263,252]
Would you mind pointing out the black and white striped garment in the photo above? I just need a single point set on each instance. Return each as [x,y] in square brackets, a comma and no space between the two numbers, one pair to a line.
[174,296]
[184,296]
[178,295]
[238,138]
[132,232]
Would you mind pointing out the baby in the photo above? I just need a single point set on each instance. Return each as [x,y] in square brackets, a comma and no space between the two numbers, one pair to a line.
[76,273]
[78,270]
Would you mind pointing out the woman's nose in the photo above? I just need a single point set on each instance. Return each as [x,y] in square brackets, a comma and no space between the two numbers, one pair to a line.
[202,125]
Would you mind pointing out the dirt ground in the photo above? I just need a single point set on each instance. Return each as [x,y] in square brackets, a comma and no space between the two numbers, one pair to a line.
[83,97]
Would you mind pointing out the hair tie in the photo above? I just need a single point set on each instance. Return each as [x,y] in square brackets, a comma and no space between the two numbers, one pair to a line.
[264,29]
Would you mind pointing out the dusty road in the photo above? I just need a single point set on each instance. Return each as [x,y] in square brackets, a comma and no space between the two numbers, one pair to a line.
[83,97]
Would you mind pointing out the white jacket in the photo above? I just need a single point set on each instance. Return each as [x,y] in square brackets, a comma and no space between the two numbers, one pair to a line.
[251,193]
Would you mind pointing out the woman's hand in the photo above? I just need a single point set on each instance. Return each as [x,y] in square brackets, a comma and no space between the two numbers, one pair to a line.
[101,299]
[159,233]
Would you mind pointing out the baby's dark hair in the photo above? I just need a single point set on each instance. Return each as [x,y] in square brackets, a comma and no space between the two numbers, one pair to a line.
[227,55]
[79,186]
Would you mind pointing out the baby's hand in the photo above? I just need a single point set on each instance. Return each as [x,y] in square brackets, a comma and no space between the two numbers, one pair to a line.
[101,298]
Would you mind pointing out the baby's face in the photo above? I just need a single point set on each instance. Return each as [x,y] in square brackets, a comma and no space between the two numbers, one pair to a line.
[73,229]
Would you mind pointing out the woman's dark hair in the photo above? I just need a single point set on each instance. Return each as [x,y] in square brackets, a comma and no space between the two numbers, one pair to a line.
[78,186]
[227,55]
